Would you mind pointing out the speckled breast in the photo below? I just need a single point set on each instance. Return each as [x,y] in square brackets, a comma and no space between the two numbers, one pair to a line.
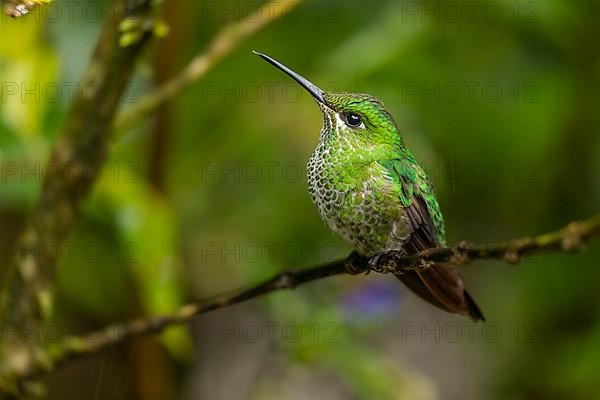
[356,200]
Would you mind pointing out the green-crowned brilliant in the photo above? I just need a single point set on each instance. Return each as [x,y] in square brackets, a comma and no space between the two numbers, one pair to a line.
[371,191]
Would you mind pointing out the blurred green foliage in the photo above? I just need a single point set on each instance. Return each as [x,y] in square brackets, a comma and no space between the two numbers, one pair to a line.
[502,112]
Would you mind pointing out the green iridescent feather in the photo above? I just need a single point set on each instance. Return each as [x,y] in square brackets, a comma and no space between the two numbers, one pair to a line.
[410,175]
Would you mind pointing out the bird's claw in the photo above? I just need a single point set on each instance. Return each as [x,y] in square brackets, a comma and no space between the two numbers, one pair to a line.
[355,264]
[374,263]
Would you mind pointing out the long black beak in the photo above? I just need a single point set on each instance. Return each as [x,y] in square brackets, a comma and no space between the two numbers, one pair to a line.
[306,84]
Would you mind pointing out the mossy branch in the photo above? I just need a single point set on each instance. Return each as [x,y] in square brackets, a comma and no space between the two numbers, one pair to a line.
[569,239]
[82,143]
[28,279]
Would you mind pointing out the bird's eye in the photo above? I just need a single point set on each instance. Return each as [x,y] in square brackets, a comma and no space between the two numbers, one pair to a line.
[353,120]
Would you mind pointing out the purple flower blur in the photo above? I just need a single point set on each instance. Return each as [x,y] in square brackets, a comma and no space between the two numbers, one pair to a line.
[372,300]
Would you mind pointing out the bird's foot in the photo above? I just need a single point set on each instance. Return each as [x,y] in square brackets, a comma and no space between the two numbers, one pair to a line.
[356,264]
[374,262]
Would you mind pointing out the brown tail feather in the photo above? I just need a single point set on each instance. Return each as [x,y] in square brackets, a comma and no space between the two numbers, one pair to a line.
[442,286]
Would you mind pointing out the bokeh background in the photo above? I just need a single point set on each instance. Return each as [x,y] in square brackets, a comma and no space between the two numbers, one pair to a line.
[497,99]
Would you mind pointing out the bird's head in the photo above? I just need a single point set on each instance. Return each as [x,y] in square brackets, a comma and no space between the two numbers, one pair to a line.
[360,118]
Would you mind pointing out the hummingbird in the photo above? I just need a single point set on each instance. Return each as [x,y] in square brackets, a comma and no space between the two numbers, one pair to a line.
[370,190]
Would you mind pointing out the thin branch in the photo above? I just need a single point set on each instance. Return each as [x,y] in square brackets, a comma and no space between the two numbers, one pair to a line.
[222,44]
[569,239]
[123,331]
